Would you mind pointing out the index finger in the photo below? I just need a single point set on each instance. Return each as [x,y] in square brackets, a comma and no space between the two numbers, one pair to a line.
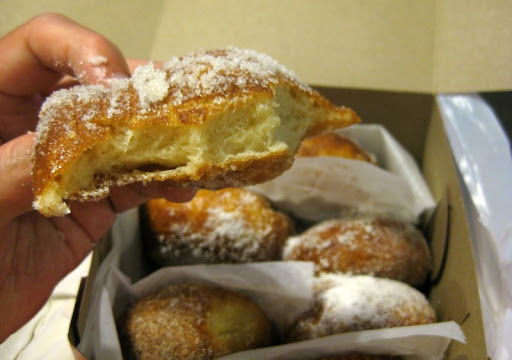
[38,53]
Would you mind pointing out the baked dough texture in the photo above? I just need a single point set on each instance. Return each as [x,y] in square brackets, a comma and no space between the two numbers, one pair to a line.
[211,119]
[230,225]
[192,322]
[344,303]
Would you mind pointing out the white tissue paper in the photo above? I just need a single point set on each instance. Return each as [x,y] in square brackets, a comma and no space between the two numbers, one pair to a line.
[326,186]
[282,289]
[482,154]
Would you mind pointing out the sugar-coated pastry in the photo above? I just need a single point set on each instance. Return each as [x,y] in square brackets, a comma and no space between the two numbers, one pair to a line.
[333,144]
[344,303]
[192,322]
[231,225]
[210,119]
[378,246]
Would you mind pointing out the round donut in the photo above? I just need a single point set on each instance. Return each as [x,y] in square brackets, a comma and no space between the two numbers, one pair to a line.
[231,225]
[378,246]
[344,303]
[333,144]
[190,321]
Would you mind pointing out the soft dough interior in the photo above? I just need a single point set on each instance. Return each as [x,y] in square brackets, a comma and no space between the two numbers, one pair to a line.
[264,125]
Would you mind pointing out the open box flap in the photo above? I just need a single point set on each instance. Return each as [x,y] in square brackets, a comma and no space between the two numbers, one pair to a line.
[480,147]
[454,283]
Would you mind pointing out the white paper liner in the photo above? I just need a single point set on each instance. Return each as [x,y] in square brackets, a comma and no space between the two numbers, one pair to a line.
[282,297]
[318,188]
[412,342]
[282,289]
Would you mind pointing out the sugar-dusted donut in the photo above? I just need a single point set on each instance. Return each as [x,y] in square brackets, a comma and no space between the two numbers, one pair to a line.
[344,303]
[378,246]
[211,119]
[231,225]
[192,322]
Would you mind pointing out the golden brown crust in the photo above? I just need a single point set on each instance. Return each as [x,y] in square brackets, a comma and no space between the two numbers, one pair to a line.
[378,246]
[204,102]
[333,144]
[193,322]
[344,303]
[230,225]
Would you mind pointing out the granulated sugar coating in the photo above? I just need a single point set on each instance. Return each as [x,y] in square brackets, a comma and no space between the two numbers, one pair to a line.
[217,118]
[368,245]
[216,73]
[346,303]
[98,60]
[224,226]
[151,85]
[190,322]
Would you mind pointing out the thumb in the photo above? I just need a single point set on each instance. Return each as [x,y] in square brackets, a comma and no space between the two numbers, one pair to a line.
[15,177]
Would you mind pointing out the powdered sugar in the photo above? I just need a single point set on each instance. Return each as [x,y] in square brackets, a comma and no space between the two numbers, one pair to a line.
[226,236]
[63,101]
[363,245]
[98,60]
[118,101]
[215,80]
[151,85]
[361,302]
[217,74]
[333,231]
[365,298]
[245,237]
[234,227]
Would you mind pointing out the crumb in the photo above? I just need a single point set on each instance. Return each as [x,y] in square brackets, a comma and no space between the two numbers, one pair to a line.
[98,60]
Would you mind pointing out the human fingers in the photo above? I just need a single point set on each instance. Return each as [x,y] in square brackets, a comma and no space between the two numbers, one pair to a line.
[36,55]
[39,52]
[19,113]
[16,187]
[96,217]
[69,81]
[126,197]
[15,177]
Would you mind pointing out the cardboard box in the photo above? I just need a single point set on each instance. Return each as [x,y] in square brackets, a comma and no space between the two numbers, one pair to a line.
[454,292]
[385,59]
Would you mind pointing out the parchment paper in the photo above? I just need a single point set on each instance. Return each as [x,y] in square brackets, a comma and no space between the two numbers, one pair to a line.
[282,289]
[317,188]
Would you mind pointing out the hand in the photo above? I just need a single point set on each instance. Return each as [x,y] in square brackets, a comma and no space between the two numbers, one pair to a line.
[36,252]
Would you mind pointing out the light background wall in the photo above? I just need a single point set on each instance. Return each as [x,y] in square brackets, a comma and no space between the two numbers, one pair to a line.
[403,45]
